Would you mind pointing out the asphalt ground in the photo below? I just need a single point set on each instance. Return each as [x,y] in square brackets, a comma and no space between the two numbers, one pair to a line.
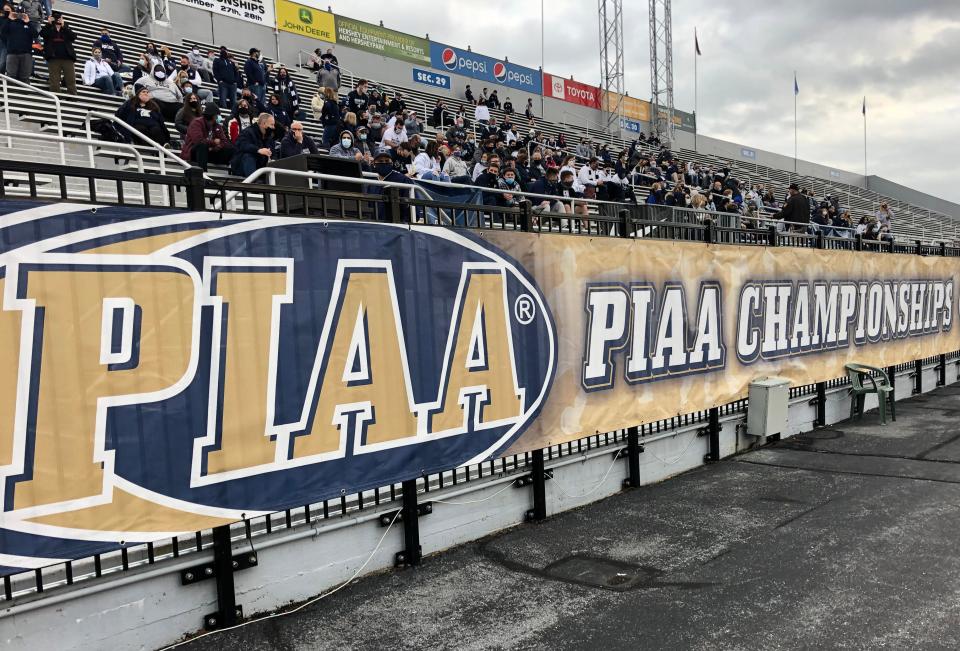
[846,537]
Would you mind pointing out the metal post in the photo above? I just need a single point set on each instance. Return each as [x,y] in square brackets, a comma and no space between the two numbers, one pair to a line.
[919,246]
[713,431]
[626,224]
[195,182]
[412,553]
[710,233]
[918,376]
[772,235]
[821,404]
[526,217]
[393,210]
[942,367]
[633,457]
[858,242]
[223,571]
[539,511]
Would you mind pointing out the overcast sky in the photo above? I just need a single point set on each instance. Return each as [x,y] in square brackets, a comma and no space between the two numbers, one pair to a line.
[902,54]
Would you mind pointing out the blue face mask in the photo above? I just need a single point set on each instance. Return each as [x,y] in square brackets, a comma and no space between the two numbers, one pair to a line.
[383,169]
[346,143]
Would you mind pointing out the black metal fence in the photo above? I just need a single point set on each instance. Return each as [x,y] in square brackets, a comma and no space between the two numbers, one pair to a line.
[193,191]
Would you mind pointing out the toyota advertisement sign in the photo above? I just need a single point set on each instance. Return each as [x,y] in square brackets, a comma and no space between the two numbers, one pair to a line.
[571,91]
[470,64]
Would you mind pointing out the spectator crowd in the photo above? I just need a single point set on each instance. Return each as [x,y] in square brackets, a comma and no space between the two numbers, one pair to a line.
[243,114]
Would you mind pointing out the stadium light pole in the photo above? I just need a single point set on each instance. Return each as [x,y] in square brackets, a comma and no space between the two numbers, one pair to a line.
[865,141]
[542,58]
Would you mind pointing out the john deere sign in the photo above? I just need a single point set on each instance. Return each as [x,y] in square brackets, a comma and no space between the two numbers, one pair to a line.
[306,21]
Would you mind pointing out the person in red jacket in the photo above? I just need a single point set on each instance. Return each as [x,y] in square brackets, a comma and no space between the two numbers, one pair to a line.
[206,142]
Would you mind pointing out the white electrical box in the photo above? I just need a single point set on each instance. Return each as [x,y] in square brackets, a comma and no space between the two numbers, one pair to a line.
[767,408]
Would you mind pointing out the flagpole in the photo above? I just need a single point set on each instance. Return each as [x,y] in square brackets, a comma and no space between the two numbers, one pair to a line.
[795,121]
[865,140]
[696,90]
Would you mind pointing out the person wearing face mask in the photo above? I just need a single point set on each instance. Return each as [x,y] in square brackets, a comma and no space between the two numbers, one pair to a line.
[163,91]
[242,118]
[365,145]
[189,112]
[297,142]
[227,76]
[206,141]
[286,89]
[384,167]
[255,75]
[328,114]
[194,83]
[344,148]
[427,164]
[58,38]
[254,147]
[536,170]
[110,51]
[549,185]
[143,116]
[18,33]
[508,182]
[456,168]
[394,137]
[328,75]
[283,118]
[197,64]
[375,128]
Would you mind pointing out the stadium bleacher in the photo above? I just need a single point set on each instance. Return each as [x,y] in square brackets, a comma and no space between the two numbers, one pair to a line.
[33,110]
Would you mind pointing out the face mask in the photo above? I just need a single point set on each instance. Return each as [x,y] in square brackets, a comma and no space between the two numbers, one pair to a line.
[510,182]
[243,111]
[188,89]
[536,160]
[160,75]
[97,56]
[376,125]
[219,119]
[269,132]
[196,51]
[457,154]
[346,143]
[383,169]
[363,137]
[326,66]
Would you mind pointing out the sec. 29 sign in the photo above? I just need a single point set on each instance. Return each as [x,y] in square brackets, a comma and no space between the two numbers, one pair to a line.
[431,78]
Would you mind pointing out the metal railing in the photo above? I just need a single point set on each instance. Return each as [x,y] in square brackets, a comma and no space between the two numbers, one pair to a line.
[4,81]
[104,146]
[162,152]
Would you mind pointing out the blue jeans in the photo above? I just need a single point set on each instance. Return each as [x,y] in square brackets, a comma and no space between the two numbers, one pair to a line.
[112,85]
[259,91]
[243,165]
[3,58]
[330,133]
[228,94]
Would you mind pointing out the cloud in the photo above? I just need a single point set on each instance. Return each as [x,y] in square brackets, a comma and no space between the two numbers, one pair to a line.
[901,55]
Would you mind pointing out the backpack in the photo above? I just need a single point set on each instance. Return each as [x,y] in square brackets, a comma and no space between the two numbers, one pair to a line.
[108,132]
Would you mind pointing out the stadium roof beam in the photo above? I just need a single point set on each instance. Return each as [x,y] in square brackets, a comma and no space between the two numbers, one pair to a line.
[612,75]
[661,69]
[147,12]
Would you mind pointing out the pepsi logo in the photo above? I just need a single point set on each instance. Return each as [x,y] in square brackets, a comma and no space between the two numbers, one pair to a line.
[449,58]
[500,71]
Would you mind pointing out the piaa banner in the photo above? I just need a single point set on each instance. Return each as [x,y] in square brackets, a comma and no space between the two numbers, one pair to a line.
[163,373]
[253,11]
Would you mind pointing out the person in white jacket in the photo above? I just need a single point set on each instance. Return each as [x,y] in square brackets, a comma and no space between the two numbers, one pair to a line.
[481,113]
[98,73]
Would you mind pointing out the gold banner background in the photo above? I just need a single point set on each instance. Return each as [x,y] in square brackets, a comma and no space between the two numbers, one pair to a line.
[563,265]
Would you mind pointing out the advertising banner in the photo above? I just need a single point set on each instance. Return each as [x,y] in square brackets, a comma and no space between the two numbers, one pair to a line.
[162,373]
[470,64]
[634,109]
[379,40]
[309,21]
[571,91]
[253,11]
[94,4]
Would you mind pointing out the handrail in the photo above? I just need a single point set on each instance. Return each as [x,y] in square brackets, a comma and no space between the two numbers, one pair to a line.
[12,133]
[149,141]
[4,80]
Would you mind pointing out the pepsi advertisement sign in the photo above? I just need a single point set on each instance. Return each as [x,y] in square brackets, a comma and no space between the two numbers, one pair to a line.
[470,64]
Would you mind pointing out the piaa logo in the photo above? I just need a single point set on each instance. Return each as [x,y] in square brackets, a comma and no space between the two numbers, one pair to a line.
[500,71]
[220,369]
[449,58]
